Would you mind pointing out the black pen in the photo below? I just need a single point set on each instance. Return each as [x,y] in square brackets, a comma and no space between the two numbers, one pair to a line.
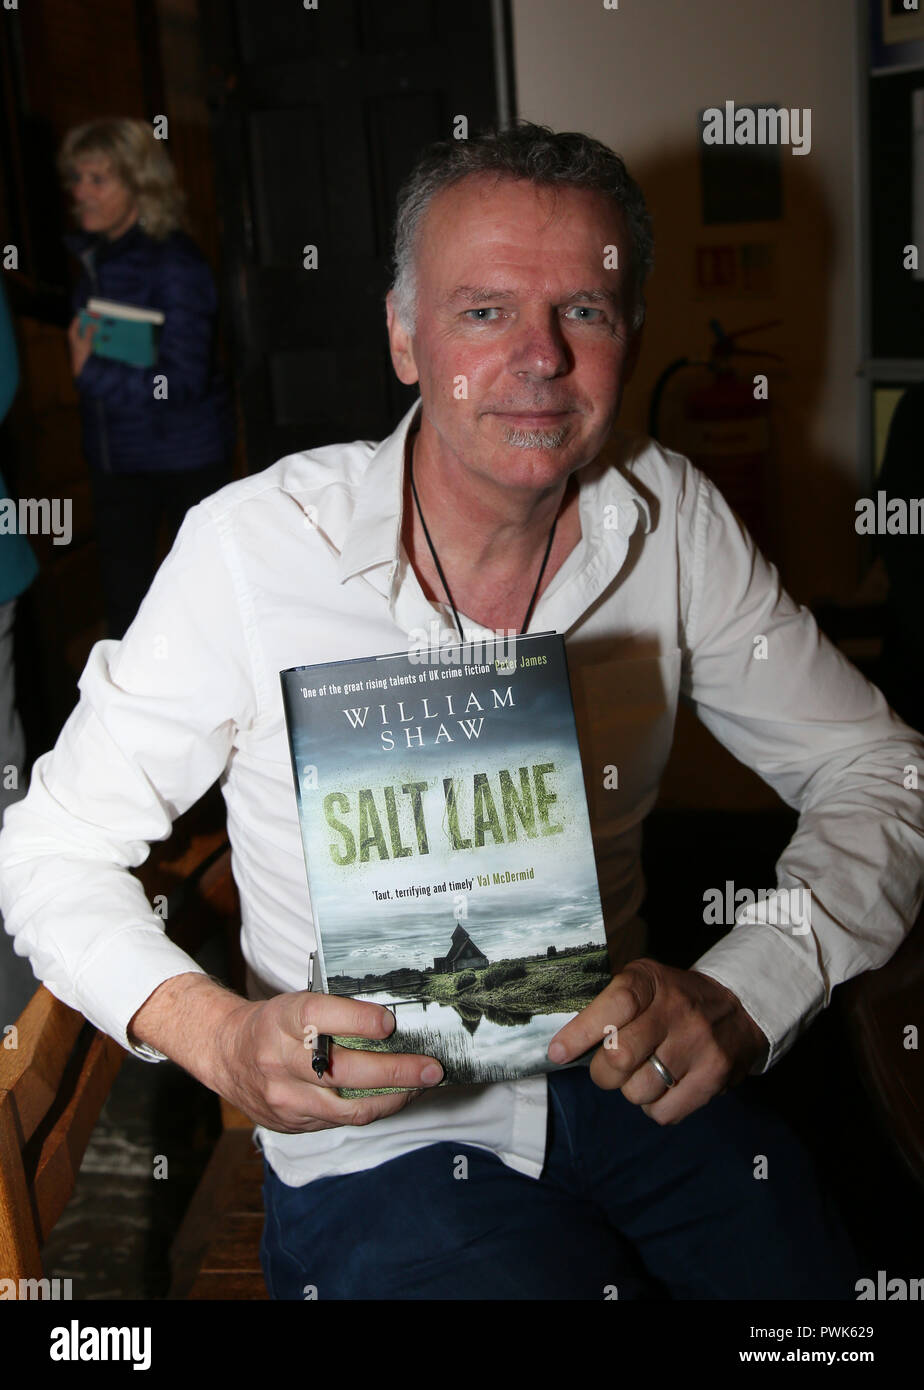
[321,1059]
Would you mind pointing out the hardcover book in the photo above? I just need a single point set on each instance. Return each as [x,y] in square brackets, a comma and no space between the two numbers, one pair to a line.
[124,332]
[450,864]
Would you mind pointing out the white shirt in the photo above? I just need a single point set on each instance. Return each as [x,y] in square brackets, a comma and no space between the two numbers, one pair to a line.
[664,594]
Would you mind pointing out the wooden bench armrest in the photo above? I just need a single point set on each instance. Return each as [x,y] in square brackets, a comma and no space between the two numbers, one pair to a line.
[879,1006]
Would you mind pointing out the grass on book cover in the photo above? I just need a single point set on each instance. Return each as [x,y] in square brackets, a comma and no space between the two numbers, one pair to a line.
[510,994]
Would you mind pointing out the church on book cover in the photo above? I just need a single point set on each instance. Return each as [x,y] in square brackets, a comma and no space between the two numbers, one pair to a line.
[463,954]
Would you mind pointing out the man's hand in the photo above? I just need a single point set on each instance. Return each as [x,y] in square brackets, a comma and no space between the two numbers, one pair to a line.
[266,1051]
[80,344]
[697,1027]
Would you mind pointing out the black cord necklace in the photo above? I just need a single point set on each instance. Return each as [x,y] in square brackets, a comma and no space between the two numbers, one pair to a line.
[439,568]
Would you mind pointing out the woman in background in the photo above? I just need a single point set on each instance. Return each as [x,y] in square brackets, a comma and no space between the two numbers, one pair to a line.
[157,439]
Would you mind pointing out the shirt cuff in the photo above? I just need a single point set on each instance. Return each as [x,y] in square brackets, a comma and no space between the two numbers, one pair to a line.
[121,975]
[764,970]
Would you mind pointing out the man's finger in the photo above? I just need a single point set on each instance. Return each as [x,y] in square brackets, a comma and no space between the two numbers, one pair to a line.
[691,1093]
[370,1108]
[625,997]
[627,1050]
[356,1068]
[333,1111]
[361,1069]
[635,1075]
[335,1013]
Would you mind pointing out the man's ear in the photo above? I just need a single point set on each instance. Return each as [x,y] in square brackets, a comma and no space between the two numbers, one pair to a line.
[399,342]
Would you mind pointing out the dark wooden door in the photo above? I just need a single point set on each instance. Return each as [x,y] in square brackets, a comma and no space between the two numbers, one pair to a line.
[318,115]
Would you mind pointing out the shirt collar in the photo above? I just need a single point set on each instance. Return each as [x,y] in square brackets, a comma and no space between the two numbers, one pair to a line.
[374,536]
[609,503]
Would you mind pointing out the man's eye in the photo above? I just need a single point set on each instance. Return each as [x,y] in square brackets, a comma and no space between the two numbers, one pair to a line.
[584,310]
[469,312]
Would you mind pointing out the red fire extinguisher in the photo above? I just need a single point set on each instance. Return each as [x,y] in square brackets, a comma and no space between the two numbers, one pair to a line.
[723,427]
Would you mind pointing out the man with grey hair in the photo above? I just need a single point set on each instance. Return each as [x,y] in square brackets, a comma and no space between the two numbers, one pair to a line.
[503,501]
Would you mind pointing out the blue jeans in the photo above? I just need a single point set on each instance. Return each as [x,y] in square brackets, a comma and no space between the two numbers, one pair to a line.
[624,1208]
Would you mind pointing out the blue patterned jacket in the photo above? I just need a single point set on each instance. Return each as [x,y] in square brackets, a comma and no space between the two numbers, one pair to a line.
[126,428]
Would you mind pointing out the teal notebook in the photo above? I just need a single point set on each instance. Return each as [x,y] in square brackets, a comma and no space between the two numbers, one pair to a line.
[125,332]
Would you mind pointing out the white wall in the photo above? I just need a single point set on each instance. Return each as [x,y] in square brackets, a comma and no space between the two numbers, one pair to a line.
[637,78]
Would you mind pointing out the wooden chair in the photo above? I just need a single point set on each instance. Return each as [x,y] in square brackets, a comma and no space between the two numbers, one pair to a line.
[879,1006]
[216,1251]
[215,1254]
[52,1087]
[54,1081]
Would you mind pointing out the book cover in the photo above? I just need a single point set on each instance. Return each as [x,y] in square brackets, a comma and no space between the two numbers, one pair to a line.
[125,332]
[450,864]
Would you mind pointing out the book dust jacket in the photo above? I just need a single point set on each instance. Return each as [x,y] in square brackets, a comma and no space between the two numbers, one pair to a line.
[448,848]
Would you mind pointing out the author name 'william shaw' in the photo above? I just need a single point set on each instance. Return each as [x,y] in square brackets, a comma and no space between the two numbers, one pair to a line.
[425,732]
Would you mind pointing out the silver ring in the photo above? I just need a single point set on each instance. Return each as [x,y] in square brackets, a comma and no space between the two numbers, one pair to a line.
[662,1070]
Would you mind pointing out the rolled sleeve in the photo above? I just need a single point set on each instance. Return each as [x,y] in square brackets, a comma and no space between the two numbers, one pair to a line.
[786,702]
[774,983]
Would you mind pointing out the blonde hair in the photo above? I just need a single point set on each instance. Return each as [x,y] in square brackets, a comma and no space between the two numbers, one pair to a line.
[139,160]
